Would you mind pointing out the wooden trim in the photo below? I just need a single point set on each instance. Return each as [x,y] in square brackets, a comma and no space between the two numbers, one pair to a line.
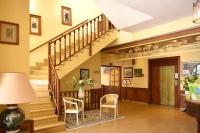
[187,32]
[169,61]
[135,94]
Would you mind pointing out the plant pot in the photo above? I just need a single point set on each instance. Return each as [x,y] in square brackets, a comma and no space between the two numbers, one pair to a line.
[81,93]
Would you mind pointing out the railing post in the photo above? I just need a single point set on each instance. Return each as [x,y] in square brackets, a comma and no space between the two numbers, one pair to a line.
[49,54]
[90,49]
[59,111]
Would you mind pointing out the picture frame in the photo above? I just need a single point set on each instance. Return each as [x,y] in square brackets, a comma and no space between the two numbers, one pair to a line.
[66,15]
[188,68]
[84,74]
[128,72]
[9,33]
[138,73]
[35,24]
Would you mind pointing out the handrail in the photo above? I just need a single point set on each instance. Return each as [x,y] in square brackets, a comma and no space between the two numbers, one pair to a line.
[65,32]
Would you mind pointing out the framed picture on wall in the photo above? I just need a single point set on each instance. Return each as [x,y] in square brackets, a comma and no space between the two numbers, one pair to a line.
[84,74]
[128,72]
[138,73]
[66,15]
[9,33]
[35,25]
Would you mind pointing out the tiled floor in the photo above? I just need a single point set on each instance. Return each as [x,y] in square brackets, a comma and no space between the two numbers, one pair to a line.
[144,118]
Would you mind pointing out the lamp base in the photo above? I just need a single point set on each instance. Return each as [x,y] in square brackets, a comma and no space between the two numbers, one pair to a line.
[12,118]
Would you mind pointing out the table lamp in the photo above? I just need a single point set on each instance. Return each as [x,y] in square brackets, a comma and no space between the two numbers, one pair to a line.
[15,88]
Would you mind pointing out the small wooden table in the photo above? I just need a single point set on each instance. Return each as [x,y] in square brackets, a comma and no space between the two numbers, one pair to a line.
[193,109]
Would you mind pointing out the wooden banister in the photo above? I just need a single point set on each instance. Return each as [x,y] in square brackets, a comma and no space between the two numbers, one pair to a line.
[67,44]
[62,34]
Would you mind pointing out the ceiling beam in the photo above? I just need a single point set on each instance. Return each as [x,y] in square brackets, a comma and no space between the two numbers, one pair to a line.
[183,33]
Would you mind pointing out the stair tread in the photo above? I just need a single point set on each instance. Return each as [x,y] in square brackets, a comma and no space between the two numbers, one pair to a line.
[44,117]
[59,123]
[40,103]
[37,110]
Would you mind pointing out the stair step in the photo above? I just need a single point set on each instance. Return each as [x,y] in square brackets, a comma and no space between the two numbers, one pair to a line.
[40,105]
[51,128]
[39,71]
[43,99]
[39,76]
[39,121]
[42,112]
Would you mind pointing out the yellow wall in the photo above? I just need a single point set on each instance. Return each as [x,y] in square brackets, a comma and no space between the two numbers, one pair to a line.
[15,58]
[50,12]
[94,66]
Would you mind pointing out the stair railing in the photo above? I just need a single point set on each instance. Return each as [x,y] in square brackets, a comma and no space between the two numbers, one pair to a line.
[64,46]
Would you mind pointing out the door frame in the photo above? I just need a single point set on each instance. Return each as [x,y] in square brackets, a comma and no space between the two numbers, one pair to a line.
[168,61]
[120,78]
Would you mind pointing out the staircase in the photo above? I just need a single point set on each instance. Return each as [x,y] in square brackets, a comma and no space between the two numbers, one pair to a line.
[42,110]
[65,52]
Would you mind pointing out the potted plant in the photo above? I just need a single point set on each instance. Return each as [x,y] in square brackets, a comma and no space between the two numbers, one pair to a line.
[191,88]
[80,84]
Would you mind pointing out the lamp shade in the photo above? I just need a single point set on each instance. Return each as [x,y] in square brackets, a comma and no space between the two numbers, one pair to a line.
[15,88]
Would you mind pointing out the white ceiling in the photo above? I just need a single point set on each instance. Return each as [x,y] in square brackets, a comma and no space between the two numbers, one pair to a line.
[134,15]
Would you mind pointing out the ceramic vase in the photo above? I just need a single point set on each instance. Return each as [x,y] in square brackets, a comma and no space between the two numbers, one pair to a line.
[81,93]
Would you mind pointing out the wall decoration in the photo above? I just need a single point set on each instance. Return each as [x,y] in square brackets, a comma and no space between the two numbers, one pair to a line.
[35,25]
[66,15]
[138,73]
[9,33]
[84,74]
[128,72]
[190,68]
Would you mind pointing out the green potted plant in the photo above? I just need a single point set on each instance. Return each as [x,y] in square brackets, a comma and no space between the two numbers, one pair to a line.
[190,86]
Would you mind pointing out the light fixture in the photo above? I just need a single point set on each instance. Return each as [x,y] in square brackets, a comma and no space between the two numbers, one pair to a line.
[196,12]
[15,88]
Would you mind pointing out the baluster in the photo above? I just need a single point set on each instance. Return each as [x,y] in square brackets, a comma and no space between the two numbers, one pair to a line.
[101,24]
[49,60]
[78,38]
[74,41]
[94,29]
[65,49]
[60,51]
[90,31]
[54,54]
[70,44]
[86,34]
[98,27]
[105,19]
[83,35]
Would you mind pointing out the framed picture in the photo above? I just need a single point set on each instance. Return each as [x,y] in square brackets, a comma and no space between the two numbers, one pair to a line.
[128,72]
[35,25]
[138,73]
[9,33]
[190,68]
[66,15]
[84,74]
